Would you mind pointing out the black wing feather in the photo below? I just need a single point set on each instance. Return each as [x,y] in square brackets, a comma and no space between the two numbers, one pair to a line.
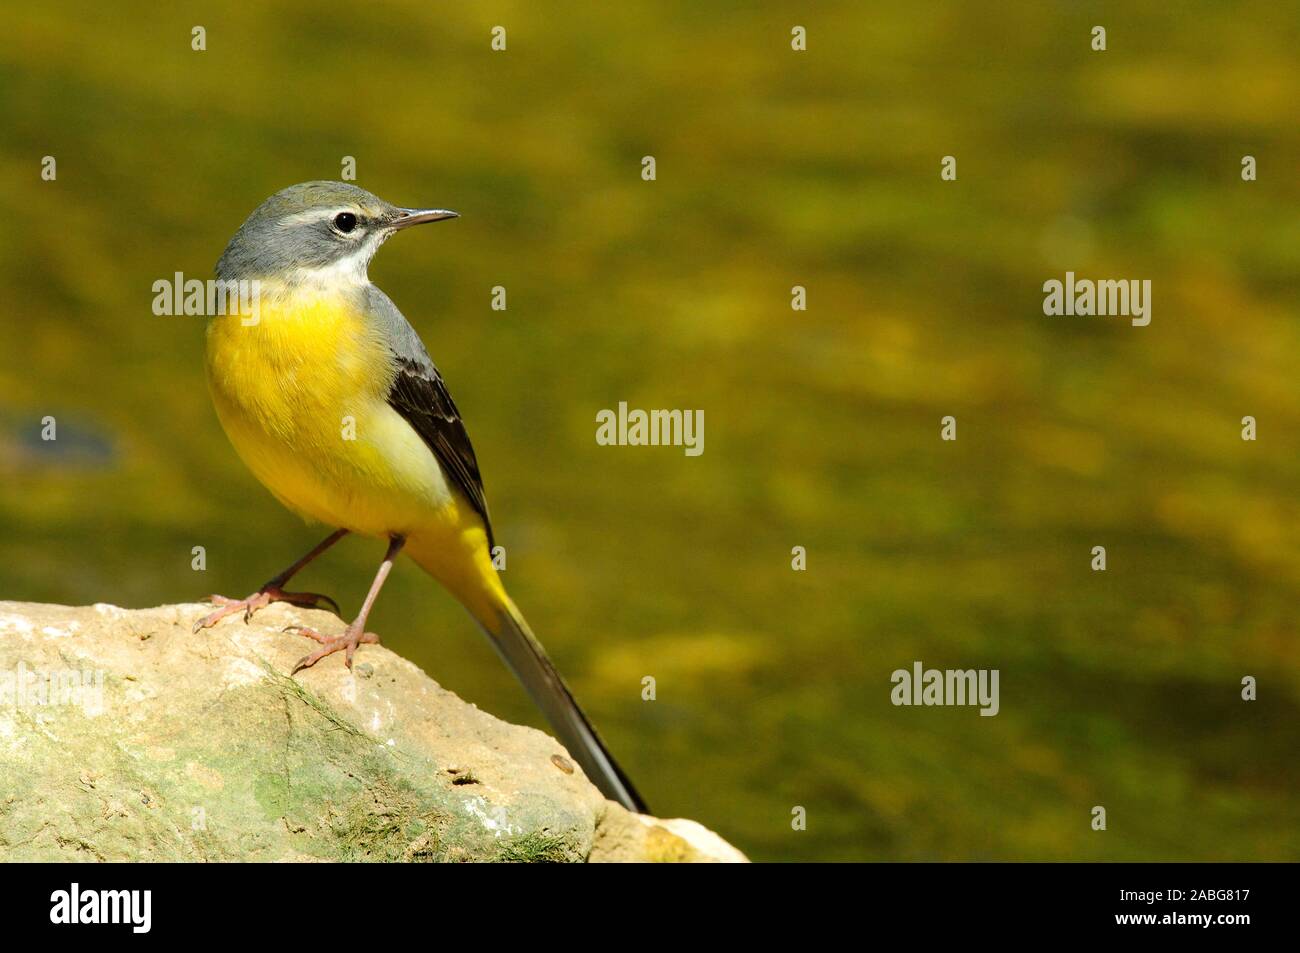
[420,396]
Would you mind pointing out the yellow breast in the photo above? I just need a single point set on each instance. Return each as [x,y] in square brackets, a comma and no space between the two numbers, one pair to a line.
[302,395]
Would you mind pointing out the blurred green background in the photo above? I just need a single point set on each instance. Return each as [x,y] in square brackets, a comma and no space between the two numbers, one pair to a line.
[775,168]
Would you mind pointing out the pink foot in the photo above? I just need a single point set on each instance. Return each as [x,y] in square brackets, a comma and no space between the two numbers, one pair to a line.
[260,600]
[352,636]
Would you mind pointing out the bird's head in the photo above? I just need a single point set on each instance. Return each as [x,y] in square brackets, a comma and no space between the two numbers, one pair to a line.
[317,231]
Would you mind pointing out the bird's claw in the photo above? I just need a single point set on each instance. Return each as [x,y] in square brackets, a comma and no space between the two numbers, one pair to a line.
[260,600]
[352,637]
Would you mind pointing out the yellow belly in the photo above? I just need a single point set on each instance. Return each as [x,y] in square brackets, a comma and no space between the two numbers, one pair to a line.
[302,396]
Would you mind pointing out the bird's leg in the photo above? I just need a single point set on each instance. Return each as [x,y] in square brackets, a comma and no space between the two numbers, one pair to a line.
[273,591]
[356,632]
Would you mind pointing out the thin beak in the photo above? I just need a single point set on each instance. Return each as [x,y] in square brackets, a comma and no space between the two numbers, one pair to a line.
[406,217]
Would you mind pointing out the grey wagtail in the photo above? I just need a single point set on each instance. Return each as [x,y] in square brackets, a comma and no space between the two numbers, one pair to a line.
[333,402]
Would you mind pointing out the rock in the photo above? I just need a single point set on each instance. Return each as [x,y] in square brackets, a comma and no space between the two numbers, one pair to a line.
[123,737]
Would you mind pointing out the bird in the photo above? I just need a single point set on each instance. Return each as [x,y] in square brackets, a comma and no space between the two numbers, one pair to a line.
[330,398]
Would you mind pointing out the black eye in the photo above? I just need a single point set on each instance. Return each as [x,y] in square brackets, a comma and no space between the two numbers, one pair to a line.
[345,222]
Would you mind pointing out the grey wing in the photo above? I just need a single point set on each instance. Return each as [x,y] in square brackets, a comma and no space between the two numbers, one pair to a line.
[420,395]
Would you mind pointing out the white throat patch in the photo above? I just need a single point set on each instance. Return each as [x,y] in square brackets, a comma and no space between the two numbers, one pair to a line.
[350,271]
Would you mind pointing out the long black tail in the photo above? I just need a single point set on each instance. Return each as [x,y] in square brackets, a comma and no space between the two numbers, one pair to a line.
[517,645]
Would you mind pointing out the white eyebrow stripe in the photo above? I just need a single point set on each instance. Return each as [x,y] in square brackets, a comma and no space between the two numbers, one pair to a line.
[316,215]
